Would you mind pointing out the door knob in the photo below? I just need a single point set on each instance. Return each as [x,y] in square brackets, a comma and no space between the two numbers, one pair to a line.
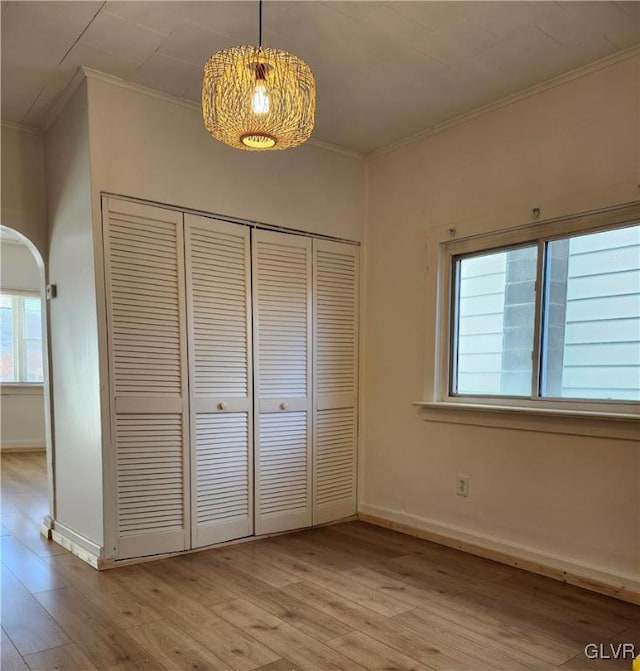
[222,405]
[284,406]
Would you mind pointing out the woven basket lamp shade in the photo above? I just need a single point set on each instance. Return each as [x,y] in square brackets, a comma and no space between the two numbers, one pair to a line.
[258,98]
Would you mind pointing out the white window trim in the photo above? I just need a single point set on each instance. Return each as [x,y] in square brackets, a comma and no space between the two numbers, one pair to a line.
[534,407]
[18,342]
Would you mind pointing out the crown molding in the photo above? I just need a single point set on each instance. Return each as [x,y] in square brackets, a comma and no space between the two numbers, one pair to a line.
[23,128]
[632,52]
[336,148]
[97,75]
[84,72]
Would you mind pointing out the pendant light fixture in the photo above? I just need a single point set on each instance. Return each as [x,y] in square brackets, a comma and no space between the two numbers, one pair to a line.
[258,98]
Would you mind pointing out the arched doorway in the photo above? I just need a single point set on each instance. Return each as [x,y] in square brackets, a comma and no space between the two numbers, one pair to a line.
[28,483]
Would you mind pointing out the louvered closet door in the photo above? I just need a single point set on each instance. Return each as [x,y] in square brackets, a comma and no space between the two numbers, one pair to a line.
[335,320]
[219,319]
[144,270]
[282,373]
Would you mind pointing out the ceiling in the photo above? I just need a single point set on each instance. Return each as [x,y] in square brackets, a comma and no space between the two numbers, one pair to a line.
[384,70]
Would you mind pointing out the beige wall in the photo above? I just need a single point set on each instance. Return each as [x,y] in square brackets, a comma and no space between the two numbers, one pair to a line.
[23,185]
[572,501]
[73,323]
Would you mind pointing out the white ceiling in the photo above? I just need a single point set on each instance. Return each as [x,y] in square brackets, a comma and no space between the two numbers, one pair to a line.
[384,70]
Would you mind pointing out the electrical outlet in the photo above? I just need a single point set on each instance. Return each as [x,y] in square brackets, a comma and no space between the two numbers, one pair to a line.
[462,485]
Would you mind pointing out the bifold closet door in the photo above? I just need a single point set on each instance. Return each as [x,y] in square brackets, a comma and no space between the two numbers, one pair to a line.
[144,270]
[282,377]
[219,324]
[335,376]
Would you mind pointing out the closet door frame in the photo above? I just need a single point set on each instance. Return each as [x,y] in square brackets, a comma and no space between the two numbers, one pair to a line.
[283,522]
[223,404]
[145,545]
[113,545]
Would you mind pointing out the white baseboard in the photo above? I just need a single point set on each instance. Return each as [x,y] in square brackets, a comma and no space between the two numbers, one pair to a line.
[78,545]
[624,587]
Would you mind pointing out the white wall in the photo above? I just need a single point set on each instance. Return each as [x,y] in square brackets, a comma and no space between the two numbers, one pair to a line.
[73,323]
[23,185]
[576,500]
[18,268]
[148,147]
[21,408]
[22,418]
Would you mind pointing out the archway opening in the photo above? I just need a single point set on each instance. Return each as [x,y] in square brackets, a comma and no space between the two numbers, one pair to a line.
[26,448]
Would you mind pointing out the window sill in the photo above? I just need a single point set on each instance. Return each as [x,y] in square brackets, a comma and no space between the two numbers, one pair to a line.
[620,426]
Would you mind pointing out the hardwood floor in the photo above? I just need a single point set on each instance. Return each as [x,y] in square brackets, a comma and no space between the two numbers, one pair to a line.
[347,597]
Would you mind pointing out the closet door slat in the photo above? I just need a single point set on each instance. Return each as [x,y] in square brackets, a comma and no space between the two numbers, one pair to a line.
[335,271]
[148,376]
[219,321]
[282,372]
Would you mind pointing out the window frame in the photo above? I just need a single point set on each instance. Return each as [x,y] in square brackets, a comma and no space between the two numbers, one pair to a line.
[539,233]
[19,349]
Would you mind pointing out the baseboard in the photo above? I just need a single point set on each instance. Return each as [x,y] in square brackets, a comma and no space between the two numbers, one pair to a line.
[14,448]
[625,588]
[78,545]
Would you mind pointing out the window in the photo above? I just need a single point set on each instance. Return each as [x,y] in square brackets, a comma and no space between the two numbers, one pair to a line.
[20,338]
[553,318]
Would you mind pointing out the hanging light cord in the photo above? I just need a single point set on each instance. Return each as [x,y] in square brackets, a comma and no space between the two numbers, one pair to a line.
[260,28]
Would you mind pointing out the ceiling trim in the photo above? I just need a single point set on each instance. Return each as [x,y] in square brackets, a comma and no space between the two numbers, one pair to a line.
[89,73]
[23,128]
[509,100]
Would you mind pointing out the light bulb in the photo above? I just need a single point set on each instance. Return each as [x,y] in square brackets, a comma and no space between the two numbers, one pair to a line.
[260,100]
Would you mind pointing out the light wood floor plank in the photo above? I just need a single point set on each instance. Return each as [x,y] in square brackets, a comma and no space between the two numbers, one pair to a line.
[338,581]
[493,624]
[238,582]
[241,558]
[347,597]
[486,650]
[176,650]
[27,623]
[303,650]
[618,613]
[426,649]
[281,665]
[438,555]
[311,553]
[10,658]
[299,614]
[592,622]
[35,574]
[107,646]
[65,658]
[374,655]
[229,643]
[199,586]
